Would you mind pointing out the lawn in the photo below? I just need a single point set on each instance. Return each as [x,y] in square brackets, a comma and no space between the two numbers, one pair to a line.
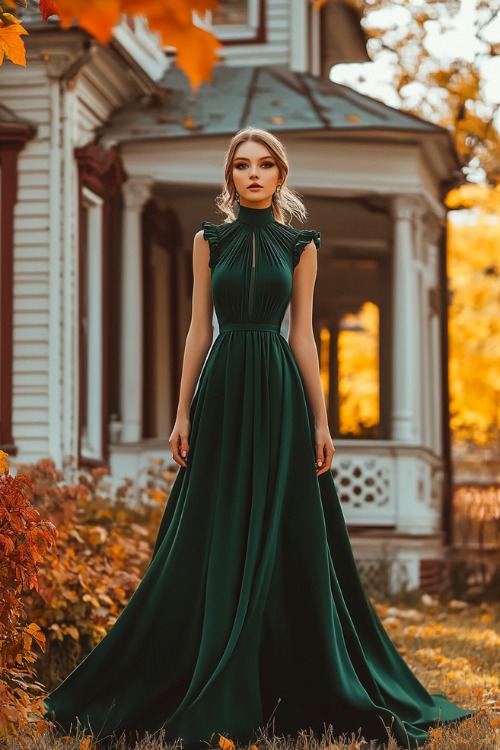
[453,649]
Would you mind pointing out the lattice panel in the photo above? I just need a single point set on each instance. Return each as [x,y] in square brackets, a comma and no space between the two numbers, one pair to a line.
[383,577]
[365,486]
[375,577]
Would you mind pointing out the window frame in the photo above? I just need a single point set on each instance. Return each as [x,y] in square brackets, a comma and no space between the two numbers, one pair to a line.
[251,33]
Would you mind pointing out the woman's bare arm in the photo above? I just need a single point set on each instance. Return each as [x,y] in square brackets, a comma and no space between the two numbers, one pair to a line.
[303,346]
[198,342]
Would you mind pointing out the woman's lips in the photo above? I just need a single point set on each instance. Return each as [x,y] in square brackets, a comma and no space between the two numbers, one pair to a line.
[255,187]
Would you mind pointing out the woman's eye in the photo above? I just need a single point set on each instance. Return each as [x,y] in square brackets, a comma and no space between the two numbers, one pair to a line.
[268,164]
[239,166]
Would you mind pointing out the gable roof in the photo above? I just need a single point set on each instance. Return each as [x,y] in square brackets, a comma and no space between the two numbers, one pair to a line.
[271,98]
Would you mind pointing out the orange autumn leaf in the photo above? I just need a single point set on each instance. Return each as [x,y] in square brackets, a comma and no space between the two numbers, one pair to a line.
[196,47]
[225,743]
[94,16]
[49,8]
[196,54]
[11,43]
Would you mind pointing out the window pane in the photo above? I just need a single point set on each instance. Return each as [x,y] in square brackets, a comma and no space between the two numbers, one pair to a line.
[231,12]
[358,366]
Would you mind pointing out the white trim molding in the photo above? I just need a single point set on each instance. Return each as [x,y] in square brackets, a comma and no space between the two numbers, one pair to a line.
[91,437]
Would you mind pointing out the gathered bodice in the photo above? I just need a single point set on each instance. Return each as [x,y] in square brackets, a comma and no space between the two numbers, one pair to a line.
[252,261]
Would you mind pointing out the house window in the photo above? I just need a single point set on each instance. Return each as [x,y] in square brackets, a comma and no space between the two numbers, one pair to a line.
[358,373]
[234,20]
[91,343]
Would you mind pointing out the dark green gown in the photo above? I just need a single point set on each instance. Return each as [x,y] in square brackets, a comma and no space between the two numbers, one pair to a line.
[251,606]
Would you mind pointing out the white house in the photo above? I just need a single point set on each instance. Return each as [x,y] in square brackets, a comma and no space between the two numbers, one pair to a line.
[117,162]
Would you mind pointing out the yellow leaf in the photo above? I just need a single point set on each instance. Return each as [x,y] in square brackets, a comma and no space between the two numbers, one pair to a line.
[159,496]
[73,632]
[4,466]
[12,45]
[9,18]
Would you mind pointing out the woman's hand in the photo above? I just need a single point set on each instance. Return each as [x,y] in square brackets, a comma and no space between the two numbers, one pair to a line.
[324,450]
[178,440]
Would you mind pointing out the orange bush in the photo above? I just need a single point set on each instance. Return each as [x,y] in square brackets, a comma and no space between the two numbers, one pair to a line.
[25,540]
[105,543]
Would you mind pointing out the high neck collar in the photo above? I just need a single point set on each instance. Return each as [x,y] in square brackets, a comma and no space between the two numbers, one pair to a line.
[256,216]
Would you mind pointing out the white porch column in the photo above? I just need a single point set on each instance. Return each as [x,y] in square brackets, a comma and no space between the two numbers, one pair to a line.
[136,191]
[434,229]
[405,325]
[421,384]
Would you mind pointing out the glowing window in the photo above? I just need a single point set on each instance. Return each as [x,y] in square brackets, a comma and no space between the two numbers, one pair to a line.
[358,373]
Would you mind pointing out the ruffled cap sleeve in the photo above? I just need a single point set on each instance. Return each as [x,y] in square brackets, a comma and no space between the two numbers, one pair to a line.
[304,237]
[211,234]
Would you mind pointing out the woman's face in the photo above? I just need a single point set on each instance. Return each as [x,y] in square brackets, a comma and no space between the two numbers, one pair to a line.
[255,174]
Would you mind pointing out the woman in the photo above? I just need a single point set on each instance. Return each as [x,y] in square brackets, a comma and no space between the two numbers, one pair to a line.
[251,609]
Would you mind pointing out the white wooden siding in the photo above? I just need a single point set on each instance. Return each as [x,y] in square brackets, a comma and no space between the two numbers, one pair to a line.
[25,92]
[276,49]
[45,314]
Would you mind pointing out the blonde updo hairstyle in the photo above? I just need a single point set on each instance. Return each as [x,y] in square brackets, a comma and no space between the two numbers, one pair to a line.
[286,203]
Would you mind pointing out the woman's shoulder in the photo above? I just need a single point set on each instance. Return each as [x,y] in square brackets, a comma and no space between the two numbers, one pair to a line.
[300,235]
[298,239]
[314,234]
[208,228]
[215,235]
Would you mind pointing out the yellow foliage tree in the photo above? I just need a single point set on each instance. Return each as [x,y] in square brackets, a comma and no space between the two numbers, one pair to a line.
[474,322]
[446,90]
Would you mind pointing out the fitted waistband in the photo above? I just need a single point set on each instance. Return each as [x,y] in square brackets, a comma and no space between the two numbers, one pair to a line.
[271,327]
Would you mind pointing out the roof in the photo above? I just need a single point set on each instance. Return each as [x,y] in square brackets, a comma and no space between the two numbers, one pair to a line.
[271,98]
[12,124]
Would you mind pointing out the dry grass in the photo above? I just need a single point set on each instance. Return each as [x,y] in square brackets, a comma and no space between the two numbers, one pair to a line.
[453,650]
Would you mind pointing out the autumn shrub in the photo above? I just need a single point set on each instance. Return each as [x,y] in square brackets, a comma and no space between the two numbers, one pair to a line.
[25,541]
[473,564]
[105,542]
